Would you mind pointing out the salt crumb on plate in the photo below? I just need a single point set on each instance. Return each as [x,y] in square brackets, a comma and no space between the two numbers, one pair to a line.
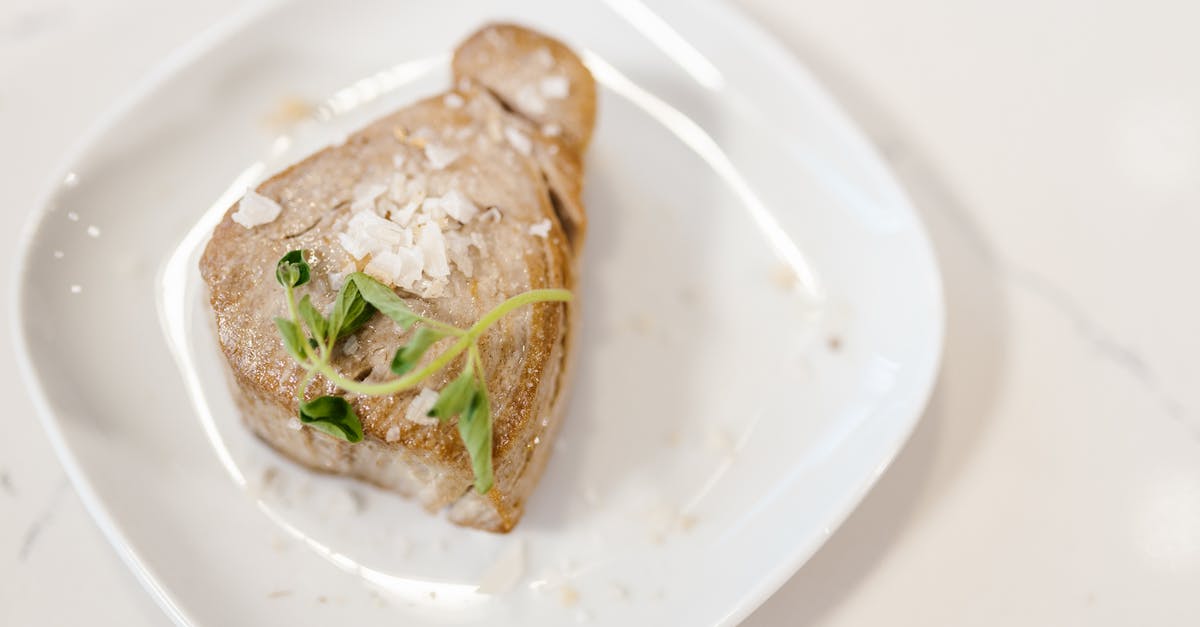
[641,323]
[288,111]
[503,575]
[719,441]
[784,277]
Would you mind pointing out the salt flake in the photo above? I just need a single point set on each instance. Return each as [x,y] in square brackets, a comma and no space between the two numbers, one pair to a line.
[255,209]
[540,229]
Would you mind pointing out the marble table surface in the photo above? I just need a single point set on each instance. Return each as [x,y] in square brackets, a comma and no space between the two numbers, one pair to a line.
[1053,148]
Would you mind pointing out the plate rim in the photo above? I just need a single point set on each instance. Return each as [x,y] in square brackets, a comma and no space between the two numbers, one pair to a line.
[177,59]
[796,71]
[765,43]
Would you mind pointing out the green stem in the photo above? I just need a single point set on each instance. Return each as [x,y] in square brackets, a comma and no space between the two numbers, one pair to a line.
[449,329]
[520,300]
[295,318]
[480,373]
[466,340]
[395,385]
[303,387]
[291,303]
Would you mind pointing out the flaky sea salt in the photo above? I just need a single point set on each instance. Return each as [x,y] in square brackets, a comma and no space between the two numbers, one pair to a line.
[453,100]
[418,409]
[432,245]
[556,87]
[529,100]
[440,156]
[400,267]
[454,204]
[458,249]
[367,233]
[518,140]
[255,209]
[404,214]
[365,195]
[540,229]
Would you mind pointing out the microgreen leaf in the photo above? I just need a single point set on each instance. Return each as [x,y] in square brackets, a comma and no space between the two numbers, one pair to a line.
[408,355]
[384,299]
[466,397]
[455,397]
[332,415]
[475,429]
[350,311]
[293,338]
[316,323]
[292,270]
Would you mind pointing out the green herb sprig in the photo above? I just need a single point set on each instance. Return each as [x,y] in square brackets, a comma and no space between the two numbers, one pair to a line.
[309,337]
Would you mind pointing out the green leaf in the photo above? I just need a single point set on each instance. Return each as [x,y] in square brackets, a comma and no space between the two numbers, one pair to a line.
[293,338]
[292,270]
[332,415]
[350,311]
[455,397]
[466,397]
[316,323]
[408,355]
[475,429]
[384,299]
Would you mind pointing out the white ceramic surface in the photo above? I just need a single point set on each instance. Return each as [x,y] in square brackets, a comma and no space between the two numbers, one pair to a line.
[1050,147]
[759,293]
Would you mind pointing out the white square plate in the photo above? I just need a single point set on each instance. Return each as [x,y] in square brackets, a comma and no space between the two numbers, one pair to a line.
[762,324]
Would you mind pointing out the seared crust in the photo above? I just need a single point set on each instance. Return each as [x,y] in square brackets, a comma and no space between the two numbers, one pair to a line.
[514,63]
[525,355]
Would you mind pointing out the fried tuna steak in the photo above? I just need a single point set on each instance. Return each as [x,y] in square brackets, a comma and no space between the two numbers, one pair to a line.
[484,182]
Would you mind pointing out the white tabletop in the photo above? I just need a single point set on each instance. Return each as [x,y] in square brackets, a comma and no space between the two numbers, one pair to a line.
[1053,149]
